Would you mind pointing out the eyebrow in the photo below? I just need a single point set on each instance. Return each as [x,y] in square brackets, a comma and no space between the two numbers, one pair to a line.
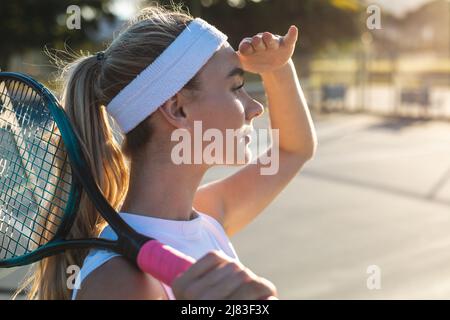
[236,72]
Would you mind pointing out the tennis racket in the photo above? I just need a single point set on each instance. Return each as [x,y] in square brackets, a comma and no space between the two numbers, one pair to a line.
[43,172]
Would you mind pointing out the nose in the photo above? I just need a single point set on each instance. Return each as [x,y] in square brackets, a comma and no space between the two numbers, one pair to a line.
[253,109]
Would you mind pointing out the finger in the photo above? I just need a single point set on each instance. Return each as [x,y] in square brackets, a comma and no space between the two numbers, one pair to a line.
[216,280]
[203,265]
[207,262]
[291,36]
[246,48]
[209,279]
[252,291]
[233,284]
[273,292]
[258,43]
[270,40]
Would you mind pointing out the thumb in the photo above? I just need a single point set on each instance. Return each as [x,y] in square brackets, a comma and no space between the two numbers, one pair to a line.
[291,36]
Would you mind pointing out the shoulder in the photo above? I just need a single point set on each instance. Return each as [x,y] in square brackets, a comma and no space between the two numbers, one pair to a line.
[119,279]
[212,223]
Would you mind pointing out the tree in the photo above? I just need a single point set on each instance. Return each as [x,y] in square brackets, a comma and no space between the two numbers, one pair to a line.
[320,21]
[31,24]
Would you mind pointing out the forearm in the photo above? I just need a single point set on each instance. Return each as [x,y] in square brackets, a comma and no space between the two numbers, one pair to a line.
[289,111]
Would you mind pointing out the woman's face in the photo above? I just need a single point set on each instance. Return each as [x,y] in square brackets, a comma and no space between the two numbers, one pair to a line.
[223,104]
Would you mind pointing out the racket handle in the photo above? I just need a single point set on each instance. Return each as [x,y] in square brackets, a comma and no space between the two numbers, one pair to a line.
[162,261]
[166,263]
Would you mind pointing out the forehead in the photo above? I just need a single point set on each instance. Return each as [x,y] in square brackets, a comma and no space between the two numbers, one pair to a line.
[221,63]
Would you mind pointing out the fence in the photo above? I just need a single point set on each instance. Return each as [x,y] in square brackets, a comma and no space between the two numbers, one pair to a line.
[404,87]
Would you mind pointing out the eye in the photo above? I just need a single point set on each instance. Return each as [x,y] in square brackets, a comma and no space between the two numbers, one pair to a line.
[239,87]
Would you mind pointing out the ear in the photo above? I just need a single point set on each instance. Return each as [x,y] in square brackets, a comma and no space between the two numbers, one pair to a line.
[174,112]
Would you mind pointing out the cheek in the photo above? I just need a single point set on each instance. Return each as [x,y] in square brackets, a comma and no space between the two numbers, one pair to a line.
[223,112]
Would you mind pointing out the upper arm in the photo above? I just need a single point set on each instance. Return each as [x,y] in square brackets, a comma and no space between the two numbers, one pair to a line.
[119,279]
[237,199]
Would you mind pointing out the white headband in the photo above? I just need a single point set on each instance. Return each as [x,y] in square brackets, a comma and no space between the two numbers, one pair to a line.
[167,75]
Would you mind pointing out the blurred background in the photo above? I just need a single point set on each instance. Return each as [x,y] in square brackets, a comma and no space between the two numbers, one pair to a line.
[369,216]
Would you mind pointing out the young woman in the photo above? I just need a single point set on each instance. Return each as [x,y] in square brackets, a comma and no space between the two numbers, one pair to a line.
[165,72]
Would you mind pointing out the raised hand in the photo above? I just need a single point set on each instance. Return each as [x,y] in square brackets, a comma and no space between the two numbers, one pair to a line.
[266,52]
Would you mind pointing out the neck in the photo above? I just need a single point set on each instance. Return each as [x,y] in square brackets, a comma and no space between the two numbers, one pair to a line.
[161,189]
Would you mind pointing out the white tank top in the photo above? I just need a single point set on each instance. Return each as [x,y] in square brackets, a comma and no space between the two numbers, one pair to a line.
[193,237]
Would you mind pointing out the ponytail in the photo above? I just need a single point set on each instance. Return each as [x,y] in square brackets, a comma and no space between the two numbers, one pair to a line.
[81,101]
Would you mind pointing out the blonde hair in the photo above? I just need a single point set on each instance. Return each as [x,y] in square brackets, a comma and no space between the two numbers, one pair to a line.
[88,86]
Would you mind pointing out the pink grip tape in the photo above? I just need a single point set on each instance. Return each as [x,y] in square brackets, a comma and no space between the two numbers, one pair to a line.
[163,262]
[166,263]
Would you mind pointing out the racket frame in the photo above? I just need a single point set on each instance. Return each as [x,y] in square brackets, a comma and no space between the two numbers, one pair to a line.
[128,240]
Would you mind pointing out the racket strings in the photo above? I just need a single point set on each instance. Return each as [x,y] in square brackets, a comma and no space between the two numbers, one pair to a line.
[35,177]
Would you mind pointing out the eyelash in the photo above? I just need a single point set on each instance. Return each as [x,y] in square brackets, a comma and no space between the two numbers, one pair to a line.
[240,87]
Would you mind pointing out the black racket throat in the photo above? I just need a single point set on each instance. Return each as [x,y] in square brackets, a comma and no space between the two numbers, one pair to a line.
[129,241]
